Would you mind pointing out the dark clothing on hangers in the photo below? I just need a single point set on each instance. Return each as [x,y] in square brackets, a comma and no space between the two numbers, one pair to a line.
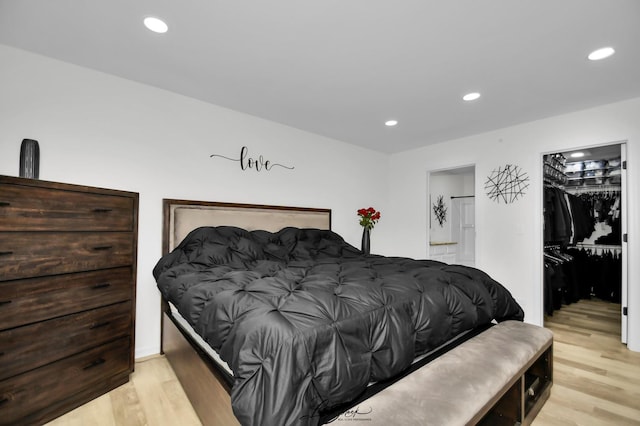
[567,218]
[571,274]
[577,273]
[600,273]
[557,219]
[606,207]
[583,220]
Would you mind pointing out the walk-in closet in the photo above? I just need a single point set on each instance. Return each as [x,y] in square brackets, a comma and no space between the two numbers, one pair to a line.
[584,229]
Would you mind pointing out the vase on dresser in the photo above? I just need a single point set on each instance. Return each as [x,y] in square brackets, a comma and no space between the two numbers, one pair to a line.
[29,159]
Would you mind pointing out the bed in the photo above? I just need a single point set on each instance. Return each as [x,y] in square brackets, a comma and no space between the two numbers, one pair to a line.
[304,322]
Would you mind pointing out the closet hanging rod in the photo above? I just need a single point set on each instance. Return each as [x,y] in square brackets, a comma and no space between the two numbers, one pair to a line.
[599,246]
[594,188]
[549,182]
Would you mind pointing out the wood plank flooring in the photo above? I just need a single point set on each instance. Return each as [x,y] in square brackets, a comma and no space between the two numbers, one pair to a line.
[153,397]
[596,380]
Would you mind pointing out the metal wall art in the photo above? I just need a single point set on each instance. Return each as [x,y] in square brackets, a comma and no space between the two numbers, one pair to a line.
[440,210]
[258,164]
[506,184]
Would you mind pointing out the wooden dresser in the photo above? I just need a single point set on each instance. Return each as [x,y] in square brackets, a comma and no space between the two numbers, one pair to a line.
[67,296]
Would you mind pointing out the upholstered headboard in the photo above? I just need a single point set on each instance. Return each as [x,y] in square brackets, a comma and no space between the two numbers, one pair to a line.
[183,216]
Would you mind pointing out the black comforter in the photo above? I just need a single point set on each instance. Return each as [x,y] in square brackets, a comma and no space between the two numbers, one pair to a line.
[306,321]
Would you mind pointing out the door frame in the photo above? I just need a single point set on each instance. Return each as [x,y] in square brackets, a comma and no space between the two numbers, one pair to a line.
[624,220]
[429,200]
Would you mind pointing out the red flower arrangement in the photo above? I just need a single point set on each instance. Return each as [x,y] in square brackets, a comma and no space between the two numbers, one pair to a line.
[368,217]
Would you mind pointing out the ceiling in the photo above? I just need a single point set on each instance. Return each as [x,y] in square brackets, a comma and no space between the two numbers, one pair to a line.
[342,68]
[606,152]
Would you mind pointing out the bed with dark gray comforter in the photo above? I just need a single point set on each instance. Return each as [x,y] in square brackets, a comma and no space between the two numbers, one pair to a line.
[306,321]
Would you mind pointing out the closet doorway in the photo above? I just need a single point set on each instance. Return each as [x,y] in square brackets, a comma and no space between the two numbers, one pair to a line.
[584,210]
[452,234]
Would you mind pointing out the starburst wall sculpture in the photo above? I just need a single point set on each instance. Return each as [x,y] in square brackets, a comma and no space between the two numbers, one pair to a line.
[506,184]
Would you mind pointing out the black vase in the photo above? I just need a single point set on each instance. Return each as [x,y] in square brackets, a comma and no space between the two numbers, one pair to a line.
[366,240]
[29,159]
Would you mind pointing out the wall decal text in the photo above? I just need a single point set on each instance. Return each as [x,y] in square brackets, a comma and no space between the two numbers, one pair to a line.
[257,164]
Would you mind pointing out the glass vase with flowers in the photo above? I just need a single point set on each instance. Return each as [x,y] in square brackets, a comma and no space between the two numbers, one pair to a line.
[368,218]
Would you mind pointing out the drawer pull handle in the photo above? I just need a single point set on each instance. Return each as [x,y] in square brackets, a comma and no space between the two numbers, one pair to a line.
[4,302]
[101,285]
[102,248]
[95,363]
[100,324]
[4,204]
[5,253]
[101,210]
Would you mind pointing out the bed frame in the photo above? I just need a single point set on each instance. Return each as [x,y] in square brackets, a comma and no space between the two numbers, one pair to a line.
[206,385]
[503,374]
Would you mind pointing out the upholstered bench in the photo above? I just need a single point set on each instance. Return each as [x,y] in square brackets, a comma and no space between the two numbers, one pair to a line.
[501,376]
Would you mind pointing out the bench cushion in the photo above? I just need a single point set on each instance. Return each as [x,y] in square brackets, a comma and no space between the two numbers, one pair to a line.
[461,385]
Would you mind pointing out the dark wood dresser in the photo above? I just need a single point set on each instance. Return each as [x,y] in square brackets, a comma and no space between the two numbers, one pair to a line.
[67,296]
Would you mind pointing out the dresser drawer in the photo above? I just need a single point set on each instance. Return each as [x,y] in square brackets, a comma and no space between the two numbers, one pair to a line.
[28,208]
[23,396]
[34,254]
[38,344]
[31,300]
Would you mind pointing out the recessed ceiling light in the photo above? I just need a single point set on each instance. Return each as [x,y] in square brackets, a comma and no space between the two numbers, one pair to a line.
[605,52]
[577,154]
[471,96]
[156,25]
[391,123]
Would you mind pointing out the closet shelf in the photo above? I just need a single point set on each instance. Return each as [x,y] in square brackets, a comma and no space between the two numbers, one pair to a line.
[590,173]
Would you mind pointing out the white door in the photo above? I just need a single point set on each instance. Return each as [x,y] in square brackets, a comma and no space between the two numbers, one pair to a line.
[463,229]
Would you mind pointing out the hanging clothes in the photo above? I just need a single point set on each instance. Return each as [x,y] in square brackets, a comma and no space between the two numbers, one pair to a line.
[583,219]
[553,288]
[557,220]
[608,204]
[567,218]
[561,279]
[599,273]
[571,273]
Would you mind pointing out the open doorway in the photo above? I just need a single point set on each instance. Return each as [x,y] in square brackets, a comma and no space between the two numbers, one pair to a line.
[452,215]
[585,231]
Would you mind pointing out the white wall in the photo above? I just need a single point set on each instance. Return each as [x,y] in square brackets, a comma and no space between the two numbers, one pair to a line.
[509,236]
[98,130]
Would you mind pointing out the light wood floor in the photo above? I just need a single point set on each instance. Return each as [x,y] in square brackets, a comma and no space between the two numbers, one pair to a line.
[152,397]
[596,380]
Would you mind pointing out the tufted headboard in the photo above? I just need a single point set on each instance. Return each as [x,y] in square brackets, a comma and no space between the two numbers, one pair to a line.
[183,216]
